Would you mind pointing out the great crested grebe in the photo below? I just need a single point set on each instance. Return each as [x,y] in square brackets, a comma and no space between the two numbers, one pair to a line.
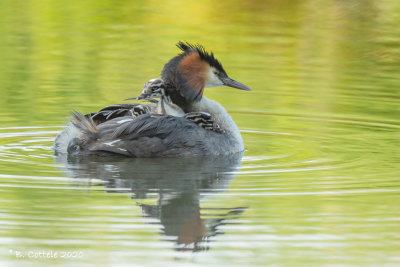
[183,123]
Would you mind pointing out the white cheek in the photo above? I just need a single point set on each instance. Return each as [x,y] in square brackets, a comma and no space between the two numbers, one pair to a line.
[213,79]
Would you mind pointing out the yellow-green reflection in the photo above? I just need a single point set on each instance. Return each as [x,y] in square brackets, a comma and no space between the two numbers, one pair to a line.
[319,180]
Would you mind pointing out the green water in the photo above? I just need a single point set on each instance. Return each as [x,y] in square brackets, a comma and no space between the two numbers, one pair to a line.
[318,185]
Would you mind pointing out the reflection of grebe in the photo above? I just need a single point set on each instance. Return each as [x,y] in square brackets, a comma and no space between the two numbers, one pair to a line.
[175,186]
[182,218]
[147,134]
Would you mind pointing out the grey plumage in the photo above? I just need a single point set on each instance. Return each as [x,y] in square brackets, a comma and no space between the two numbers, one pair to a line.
[182,123]
[149,135]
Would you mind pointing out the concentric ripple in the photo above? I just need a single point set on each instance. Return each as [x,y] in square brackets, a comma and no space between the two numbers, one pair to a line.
[305,182]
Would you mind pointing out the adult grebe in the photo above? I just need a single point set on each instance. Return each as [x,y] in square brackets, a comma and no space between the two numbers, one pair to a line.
[173,130]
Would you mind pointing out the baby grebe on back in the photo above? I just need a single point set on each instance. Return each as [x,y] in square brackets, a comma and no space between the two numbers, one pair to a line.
[183,122]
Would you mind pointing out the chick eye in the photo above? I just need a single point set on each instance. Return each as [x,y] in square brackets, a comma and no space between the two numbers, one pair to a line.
[215,72]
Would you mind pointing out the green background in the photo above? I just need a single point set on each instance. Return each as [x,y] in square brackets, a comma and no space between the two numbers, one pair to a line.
[319,183]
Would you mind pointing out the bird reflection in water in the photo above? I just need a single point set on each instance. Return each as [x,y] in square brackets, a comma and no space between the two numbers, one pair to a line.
[179,183]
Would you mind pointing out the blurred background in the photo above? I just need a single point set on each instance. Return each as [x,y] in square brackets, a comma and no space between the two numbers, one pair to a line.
[319,182]
[62,55]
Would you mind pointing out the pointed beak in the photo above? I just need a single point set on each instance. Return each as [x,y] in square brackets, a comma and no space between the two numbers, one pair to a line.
[232,83]
[130,98]
[143,95]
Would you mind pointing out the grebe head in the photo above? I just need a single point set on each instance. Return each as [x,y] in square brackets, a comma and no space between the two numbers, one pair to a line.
[154,88]
[195,69]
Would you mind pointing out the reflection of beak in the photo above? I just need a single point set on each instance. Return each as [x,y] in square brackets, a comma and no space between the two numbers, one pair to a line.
[232,83]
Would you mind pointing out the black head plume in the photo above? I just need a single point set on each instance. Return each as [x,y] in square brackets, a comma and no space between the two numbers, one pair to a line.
[204,55]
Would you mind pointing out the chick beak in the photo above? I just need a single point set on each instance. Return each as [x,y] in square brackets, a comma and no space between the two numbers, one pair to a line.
[235,84]
[131,98]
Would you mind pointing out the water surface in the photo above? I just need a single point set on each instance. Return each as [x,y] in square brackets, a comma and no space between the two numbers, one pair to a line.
[318,184]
